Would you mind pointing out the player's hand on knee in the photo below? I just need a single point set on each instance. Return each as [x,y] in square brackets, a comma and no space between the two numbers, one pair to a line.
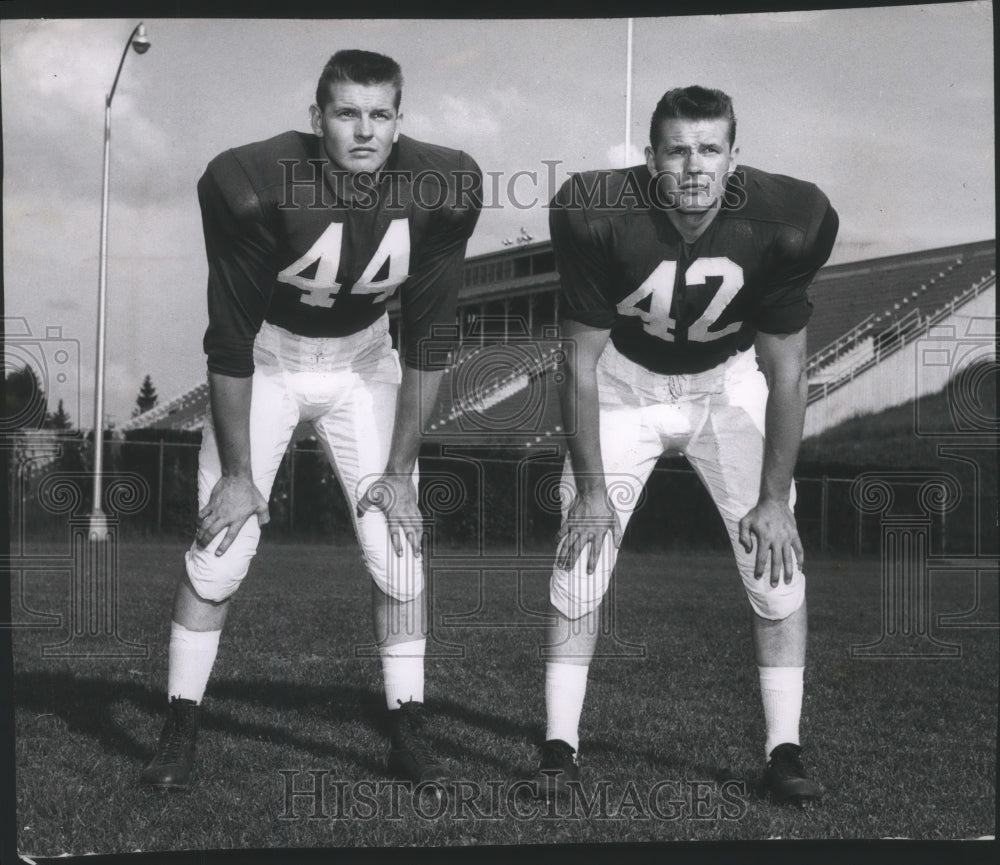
[396,497]
[589,520]
[773,526]
[233,501]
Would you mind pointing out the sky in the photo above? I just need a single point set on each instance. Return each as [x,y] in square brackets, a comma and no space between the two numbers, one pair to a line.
[889,110]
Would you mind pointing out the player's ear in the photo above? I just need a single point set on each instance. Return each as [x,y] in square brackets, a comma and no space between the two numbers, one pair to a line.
[734,157]
[316,118]
[650,159]
[395,134]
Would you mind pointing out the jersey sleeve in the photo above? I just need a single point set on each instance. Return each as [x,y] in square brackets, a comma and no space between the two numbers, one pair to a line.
[240,245]
[429,297]
[785,307]
[585,281]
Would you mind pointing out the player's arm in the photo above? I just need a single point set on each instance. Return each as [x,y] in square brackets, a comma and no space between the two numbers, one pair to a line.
[590,515]
[587,276]
[429,298]
[393,492]
[781,350]
[235,498]
[239,245]
[783,361]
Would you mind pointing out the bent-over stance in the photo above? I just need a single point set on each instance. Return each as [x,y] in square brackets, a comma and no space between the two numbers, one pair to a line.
[683,286]
[308,236]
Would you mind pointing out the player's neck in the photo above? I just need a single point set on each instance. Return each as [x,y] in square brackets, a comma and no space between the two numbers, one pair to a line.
[691,226]
[348,187]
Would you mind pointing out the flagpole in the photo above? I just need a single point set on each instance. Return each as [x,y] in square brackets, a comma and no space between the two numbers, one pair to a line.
[628,96]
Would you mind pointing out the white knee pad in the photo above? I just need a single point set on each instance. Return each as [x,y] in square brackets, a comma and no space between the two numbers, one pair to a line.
[215,578]
[574,592]
[400,577]
[774,602]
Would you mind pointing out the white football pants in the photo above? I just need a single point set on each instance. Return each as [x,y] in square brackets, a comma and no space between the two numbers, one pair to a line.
[714,418]
[346,388]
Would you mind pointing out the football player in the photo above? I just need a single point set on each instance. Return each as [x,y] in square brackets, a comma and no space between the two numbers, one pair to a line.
[683,285]
[307,237]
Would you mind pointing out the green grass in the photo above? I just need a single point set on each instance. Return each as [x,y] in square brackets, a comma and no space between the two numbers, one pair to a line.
[905,747]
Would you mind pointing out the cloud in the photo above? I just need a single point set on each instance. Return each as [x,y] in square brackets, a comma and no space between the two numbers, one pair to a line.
[37,62]
[616,155]
[462,58]
[462,121]
[66,304]
[61,72]
[156,312]
[468,117]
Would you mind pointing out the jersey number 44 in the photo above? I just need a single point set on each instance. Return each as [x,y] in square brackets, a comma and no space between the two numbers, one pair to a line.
[321,288]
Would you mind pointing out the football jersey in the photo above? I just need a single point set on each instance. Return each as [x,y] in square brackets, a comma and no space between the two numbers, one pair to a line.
[675,307]
[285,245]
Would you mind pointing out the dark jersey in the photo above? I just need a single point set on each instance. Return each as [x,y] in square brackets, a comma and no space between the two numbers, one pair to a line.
[285,246]
[675,307]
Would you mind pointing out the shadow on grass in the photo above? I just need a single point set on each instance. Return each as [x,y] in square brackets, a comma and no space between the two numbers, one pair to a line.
[598,753]
[93,707]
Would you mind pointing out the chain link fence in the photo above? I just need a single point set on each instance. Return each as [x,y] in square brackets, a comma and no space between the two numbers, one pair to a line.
[475,497]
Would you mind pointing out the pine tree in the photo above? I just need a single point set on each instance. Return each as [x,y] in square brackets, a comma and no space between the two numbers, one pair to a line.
[59,419]
[147,397]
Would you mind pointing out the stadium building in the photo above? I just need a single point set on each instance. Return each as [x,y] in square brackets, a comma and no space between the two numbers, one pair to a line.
[884,331]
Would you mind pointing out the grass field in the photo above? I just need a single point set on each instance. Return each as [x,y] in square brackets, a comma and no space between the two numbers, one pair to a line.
[905,747]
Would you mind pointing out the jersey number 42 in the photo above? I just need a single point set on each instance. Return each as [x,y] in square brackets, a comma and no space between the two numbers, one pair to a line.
[321,288]
[652,300]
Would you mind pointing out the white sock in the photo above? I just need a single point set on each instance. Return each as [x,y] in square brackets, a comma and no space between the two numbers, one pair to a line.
[565,688]
[403,672]
[781,693]
[190,659]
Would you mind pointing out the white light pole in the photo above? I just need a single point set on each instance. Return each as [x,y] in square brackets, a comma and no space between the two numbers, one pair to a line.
[98,521]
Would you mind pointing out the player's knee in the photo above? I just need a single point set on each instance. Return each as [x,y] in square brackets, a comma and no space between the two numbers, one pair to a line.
[400,577]
[575,595]
[776,602]
[215,578]
[402,590]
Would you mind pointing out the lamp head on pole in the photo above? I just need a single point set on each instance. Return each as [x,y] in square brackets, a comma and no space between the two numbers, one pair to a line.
[140,42]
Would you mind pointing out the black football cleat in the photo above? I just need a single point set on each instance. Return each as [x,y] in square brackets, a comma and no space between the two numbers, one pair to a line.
[556,769]
[410,757]
[786,780]
[171,766]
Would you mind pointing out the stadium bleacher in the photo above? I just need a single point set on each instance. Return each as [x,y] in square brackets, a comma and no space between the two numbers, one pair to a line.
[904,300]
[876,293]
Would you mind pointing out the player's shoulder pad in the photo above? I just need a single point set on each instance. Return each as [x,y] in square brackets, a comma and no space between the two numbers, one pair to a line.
[607,192]
[264,165]
[760,195]
[799,208]
[443,174]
